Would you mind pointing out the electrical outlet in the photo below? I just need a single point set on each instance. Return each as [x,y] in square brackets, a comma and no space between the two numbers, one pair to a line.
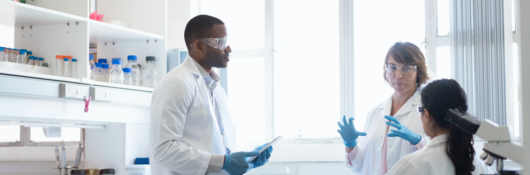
[100,94]
[70,91]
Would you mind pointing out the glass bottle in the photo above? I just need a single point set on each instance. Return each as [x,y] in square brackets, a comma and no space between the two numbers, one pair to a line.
[150,73]
[127,76]
[74,68]
[135,70]
[116,73]
[59,65]
[66,67]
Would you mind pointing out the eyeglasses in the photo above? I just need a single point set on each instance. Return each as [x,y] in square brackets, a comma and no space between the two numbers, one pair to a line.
[218,43]
[420,109]
[407,69]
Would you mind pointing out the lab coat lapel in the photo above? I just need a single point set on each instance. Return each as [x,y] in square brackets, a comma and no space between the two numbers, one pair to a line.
[203,91]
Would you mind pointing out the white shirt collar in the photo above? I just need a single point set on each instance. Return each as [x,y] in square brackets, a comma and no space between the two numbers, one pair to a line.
[438,140]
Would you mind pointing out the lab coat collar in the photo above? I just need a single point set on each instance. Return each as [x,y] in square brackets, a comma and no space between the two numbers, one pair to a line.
[409,106]
[192,64]
[437,140]
[203,72]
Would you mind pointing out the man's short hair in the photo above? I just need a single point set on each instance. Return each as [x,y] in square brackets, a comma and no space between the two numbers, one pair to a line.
[199,27]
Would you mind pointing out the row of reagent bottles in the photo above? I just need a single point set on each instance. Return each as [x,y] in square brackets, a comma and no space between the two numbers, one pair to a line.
[128,75]
[65,66]
[21,56]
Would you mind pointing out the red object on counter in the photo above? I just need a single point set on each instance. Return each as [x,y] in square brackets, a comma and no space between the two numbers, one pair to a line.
[96,16]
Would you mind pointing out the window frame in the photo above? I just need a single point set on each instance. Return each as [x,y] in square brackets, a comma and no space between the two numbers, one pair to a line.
[434,41]
[25,140]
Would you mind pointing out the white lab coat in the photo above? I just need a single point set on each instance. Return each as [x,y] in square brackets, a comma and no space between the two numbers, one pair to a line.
[433,160]
[367,161]
[184,132]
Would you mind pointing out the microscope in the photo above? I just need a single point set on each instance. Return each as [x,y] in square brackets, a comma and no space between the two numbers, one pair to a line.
[499,146]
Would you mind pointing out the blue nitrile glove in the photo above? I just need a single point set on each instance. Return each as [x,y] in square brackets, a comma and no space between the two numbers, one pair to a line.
[348,133]
[403,132]
[263,157]
[237,163]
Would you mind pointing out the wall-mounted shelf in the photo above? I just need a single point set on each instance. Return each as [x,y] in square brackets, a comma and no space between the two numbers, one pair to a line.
[104,32]
[39,75]
[18,14]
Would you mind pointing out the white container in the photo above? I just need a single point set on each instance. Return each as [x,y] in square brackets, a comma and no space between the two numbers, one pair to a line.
[116,74]
[135,70]
[66,67]
[74,68]
[150,73]
[59,65]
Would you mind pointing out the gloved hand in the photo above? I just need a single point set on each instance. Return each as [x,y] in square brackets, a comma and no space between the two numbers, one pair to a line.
[348,133]
[402,131]
[237,163]
[263,157]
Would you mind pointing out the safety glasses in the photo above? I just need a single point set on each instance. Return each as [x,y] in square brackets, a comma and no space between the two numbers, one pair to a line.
[407,69]
[218,43]
[420,109]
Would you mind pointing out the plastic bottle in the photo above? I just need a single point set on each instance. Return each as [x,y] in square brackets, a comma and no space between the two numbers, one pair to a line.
[135,70]
[92,67]
[150,73]
[127,76]
[15,56]
[41,61]
[97,72]
[102,61]
[116,74]
[30,60]
[22,56]
[59,65]
[74,68]
[28,53]
[66,67]
[2,53]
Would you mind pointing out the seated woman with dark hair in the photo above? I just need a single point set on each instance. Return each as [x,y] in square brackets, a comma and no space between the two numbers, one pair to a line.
[451,150]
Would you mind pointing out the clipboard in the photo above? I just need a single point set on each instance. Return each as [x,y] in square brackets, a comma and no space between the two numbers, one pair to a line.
[275,140]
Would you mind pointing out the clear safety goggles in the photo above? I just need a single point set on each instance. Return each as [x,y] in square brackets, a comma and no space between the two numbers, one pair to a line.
[407,69]
[218,43]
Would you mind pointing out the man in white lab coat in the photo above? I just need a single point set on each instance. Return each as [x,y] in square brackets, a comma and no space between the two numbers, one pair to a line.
[191,130]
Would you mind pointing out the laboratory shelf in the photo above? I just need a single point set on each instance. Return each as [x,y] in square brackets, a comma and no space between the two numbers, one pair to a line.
[40,76]
[105,32]
[119,86]
[18,14]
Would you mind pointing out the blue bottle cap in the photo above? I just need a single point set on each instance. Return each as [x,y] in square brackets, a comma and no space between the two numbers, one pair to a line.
[127,70]
[98,64]
[31,57]
[102,60]
[74,60]
[132,57]
[116,61]
[90,57]
[25,50]
[30,52]
[65,59]
[22,51]
[105,66]
[41,59]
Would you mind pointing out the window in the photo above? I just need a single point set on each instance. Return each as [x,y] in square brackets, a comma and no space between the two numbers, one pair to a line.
[37,135]
[377,28]
[306,69]
[9,134]
[443,17]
